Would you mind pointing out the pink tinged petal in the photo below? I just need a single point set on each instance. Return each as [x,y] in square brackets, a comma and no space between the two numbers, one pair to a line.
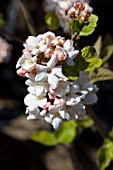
[58,72]
[56,122]
[31,101]
[52,62]
[21,72]
[41,77]
[53,80]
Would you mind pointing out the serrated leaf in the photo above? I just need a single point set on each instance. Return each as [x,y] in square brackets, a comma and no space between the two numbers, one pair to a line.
[101,74]
[89,27]
[105,152]
[52,20]
[67,132]
[106,53]
[45,138]
[98,45]
[86,122]
[88,59]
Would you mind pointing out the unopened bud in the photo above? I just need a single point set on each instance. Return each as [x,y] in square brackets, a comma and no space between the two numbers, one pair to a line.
[86,16]
[72,14]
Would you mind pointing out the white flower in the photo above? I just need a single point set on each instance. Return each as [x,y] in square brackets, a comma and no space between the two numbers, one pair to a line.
[62,89]
[27,62]
[33,102]
[38,89]
[36,45]
[86,89]
[50,72]
[68,46]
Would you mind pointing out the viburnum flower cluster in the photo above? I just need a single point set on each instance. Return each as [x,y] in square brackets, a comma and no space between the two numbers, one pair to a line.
[62,7]
[52,96]
[5,49]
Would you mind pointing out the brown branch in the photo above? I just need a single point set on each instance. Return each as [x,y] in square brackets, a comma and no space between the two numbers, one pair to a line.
[28,18]
[96,121]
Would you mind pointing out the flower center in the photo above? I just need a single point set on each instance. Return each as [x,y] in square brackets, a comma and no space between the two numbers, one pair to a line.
[49,71]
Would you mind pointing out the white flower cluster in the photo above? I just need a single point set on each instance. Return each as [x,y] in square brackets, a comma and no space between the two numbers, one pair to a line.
[61,8]
[5,49]
[52,96]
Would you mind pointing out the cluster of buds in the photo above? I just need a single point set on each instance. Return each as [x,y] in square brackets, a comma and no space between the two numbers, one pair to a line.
[80,11]
[65,8]
[52,96]
[5,49]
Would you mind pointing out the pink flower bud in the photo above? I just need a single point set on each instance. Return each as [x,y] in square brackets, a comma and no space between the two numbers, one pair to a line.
[21,72]
[48,53]
[72,14]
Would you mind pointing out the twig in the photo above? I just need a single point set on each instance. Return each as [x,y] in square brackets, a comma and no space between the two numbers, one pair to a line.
[96,121]
[28,18]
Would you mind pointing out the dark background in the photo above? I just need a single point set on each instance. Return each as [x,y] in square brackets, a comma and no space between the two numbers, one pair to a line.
[17,151]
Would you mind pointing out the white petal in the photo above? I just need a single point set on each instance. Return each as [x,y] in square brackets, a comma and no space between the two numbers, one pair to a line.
[41,77]
[53,80]
[31,101]
[58,72]
[42,102]
[35,51]
[56,122]
[52,62]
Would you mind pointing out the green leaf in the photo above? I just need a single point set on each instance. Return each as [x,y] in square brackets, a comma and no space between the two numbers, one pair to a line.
[106,53]
[67,132]
[52,21]
[86,122]
[73,25]
[88,60]
[101,74]
[44,137]
[105,152]
[71,72]
[89,27]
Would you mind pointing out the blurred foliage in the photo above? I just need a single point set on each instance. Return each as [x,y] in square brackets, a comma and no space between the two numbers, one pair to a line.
[105,152]
[52,21]
[64,135]
[104,50]
[1,20]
